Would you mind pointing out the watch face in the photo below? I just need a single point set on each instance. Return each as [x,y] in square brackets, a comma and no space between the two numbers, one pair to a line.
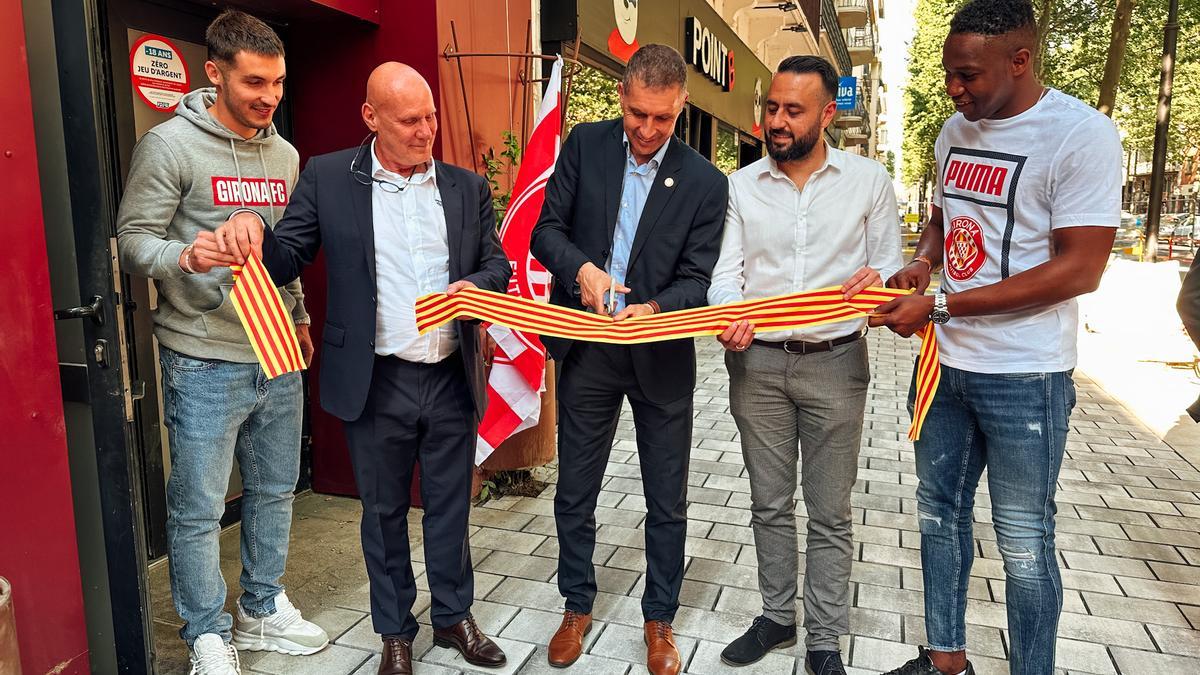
[939,316]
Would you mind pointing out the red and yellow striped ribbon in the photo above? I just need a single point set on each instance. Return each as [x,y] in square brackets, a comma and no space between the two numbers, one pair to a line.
[267,323]
[783,312]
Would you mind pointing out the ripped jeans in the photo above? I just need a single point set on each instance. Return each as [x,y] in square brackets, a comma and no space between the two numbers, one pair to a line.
[1015,425]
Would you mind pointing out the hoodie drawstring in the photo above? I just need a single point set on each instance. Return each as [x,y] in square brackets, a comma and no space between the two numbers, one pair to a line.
[267,177]
[237,167]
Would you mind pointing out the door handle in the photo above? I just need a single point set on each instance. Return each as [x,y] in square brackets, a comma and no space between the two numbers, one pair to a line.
[95,311]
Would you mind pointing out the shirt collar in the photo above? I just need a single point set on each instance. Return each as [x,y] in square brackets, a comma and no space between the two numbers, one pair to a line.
[377,171]
[833,158]
[655,161]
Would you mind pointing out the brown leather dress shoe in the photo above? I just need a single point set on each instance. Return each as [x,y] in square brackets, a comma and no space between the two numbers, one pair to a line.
[476,648]
[396,658]
[567,643]
[662,656]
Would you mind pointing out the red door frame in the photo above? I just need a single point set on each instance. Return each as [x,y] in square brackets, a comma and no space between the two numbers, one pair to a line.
[38,549]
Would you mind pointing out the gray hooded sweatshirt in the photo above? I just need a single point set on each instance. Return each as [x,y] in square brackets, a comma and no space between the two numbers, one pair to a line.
[189,174]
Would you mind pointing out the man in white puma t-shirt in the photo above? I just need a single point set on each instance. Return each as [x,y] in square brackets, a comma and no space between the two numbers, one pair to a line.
[1027,199]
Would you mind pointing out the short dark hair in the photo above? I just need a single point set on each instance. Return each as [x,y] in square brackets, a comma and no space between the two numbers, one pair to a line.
[808,63]
[234,32]
[656,66]
[994,17]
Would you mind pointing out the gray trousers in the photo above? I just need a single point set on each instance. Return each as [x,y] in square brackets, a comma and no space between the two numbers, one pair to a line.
[807,407]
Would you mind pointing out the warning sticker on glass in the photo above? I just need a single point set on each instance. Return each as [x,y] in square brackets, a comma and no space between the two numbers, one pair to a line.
[159,73]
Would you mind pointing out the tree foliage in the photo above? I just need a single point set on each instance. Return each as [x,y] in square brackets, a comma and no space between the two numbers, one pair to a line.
[926,105]
[1075,48]
[593,97]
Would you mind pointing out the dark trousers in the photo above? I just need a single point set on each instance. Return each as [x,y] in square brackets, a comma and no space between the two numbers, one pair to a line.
[595,378]
[415,413]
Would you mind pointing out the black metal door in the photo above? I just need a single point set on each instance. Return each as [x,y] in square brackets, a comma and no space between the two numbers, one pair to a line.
[102,380]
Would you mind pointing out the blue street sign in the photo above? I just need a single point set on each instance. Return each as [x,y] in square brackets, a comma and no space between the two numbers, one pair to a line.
[847,90]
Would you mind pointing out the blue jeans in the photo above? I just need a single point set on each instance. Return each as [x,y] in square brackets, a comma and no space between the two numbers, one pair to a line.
[1015,425]
[216,410]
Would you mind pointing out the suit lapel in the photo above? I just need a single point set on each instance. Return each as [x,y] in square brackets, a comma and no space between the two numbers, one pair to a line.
[614,175]
[360,199]
[453,208]
[660,194]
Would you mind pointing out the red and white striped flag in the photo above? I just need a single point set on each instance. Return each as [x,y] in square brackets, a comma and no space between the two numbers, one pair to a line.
[518,372]
[267,323]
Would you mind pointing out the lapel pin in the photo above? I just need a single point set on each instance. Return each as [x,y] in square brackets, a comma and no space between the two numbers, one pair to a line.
[669,182]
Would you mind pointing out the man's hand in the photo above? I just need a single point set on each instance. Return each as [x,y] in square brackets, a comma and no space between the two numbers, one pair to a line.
[594,284]
[240,236]
[458,286]
[306,344]
[207,254]
[915,274]
[632,311]
[864,277]
[905,315]
[738,336]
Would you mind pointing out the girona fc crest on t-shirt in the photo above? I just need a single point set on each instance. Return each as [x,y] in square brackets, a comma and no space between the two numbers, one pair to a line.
[964,249]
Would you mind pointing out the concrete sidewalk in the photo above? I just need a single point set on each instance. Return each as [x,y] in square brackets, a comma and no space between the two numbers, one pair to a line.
[1129,511]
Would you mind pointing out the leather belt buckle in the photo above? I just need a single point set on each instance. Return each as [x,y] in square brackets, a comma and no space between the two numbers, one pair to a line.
[803,347]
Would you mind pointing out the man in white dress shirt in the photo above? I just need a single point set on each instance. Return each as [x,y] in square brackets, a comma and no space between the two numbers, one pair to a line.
[808,216]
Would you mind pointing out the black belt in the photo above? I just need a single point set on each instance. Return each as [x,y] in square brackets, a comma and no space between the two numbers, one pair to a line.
[801,347]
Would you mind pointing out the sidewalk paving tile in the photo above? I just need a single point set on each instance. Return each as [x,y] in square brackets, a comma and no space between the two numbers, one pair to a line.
[1128,539]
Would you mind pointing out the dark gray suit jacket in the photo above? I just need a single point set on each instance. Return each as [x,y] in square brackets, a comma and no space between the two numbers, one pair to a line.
[673,253]
[331,210]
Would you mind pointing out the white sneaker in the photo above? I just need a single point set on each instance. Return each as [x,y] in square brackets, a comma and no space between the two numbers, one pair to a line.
[211,656]
[285,631]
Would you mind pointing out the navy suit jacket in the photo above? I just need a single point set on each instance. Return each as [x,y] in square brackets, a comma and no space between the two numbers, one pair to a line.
[673,253]
[330,209]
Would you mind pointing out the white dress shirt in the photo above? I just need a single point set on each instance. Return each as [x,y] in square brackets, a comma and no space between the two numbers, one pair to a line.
[779,239]
[412,258]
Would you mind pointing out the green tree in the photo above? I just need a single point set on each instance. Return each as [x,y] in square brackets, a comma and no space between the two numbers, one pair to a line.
[593,97]
[926,105]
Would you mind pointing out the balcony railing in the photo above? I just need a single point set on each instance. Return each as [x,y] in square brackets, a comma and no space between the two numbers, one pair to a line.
[850,118]
[831,29]
[857,135]
[860,45]
[852,13]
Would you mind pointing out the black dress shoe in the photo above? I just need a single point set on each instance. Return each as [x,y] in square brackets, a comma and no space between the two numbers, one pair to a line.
[396,658]
[476,648]
[763,636]
[923,665]
[825,663]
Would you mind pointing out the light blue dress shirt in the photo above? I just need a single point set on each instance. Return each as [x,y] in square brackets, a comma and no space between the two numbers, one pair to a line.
[635,188]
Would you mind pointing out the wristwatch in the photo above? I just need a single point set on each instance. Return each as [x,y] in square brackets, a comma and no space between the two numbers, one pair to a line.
[940,314]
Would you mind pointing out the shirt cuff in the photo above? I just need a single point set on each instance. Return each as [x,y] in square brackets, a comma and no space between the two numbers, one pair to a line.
[246,210]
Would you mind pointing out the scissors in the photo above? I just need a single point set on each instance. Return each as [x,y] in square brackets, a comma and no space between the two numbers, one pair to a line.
[610,305]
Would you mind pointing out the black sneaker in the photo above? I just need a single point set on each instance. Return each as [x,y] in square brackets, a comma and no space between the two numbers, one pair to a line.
[825,663]
[923,665]
[763,636]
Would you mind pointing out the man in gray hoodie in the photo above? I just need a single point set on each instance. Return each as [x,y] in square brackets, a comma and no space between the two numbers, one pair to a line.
[218,155]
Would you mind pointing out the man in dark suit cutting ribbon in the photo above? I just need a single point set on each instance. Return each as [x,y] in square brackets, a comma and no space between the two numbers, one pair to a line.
[630,209]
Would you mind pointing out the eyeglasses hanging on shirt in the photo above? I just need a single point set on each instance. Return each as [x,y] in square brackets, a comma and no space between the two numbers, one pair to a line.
[365,178]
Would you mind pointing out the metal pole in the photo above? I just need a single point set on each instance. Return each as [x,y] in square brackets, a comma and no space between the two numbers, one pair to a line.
[1170,32]
[466,102]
